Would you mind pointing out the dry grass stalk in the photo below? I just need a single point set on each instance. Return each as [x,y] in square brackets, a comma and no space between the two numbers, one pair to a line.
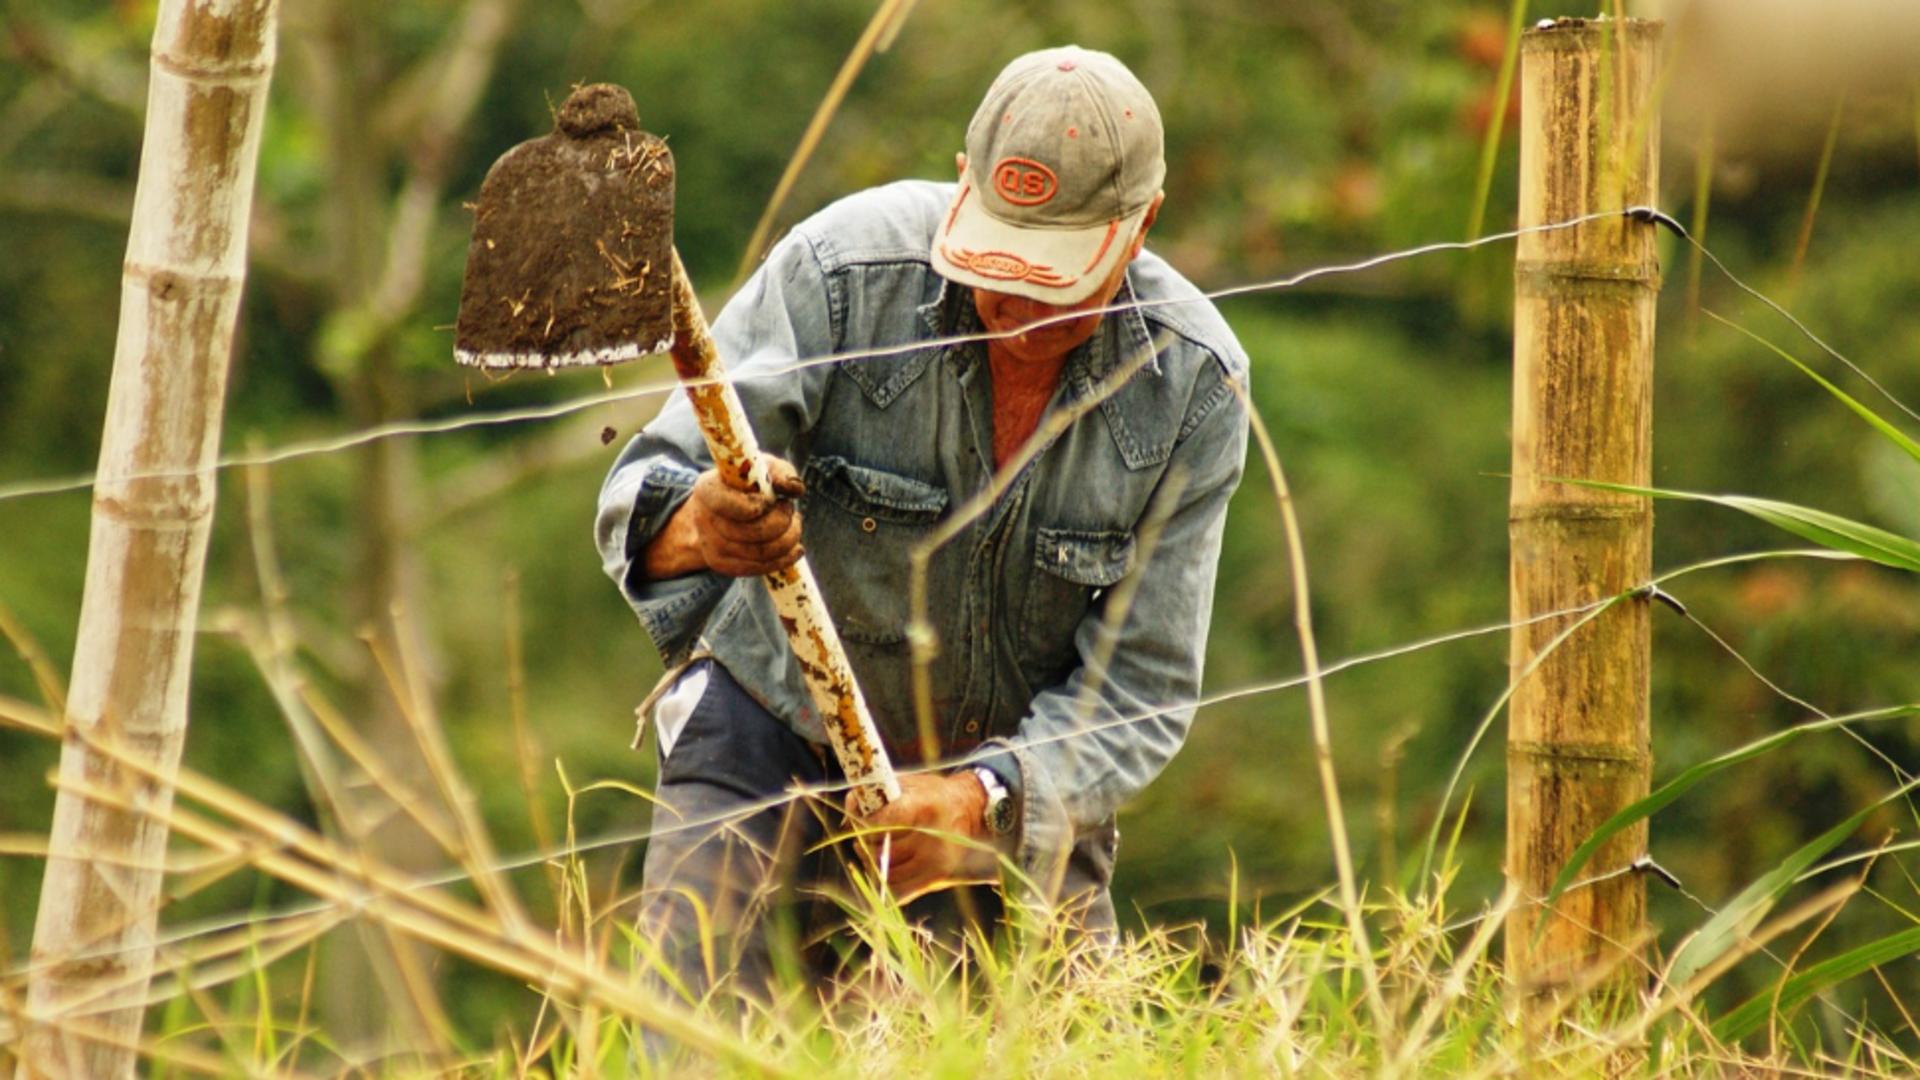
[888,19]
[1350,903]
[45,678]
[286,850]
[473,849]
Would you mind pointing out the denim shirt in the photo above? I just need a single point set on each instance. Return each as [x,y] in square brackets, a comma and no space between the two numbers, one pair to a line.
[1034,593]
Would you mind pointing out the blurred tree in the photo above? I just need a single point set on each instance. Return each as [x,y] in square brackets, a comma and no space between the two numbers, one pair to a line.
[391,102]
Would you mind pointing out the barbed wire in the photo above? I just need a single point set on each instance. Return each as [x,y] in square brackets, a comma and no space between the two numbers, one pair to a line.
[796,793]
[527,860]
[534,413]
[1650,214]
[1899,772]
[1645,863]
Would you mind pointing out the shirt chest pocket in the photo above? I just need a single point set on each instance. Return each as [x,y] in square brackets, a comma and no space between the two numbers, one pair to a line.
[860,525]
[1072,568]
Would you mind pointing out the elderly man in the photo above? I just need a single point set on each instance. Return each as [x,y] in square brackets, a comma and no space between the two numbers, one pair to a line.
[1070,616]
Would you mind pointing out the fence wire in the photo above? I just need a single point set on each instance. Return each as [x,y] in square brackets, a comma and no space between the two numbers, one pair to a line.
[534,413]
[537,413]
[834,791]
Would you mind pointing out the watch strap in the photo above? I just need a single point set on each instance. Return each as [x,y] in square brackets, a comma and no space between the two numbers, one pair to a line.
[999,809]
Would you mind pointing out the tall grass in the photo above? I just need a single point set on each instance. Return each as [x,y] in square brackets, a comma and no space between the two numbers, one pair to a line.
[1281,993]
[1356,981]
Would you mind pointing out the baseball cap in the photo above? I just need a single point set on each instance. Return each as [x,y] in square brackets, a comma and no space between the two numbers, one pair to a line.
[1064,158]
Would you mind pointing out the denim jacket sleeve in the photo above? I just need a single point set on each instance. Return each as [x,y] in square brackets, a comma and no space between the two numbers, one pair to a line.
[784,313]
[1092,742]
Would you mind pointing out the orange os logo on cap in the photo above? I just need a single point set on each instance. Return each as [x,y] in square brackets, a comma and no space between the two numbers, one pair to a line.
[1024,182]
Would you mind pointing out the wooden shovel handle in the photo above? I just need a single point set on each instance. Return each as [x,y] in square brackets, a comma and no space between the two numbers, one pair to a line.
[796,596]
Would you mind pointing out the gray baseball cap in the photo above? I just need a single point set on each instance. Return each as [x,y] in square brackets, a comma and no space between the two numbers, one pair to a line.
[1064,158]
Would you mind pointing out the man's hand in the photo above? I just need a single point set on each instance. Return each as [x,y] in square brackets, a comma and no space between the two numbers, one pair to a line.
[930,825]
[730,530]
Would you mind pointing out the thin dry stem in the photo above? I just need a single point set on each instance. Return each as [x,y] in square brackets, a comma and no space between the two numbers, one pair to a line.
[45,678]
[1786,969]
[1322,733]
[1678,997]
[475,850]
[1805,239]
[888,18]
[421,913]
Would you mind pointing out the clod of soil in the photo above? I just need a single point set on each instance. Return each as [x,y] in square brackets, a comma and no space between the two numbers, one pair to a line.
[571,261]
[595,108]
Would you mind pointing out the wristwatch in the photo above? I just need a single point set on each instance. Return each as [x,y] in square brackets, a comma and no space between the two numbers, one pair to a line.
[999,815]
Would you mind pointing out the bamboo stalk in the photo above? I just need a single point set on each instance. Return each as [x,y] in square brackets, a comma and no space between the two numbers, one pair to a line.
[1583,366]
[796,596]
[179,299]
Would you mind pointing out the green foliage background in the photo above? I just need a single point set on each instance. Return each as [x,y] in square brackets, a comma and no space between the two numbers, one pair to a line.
[1298,134]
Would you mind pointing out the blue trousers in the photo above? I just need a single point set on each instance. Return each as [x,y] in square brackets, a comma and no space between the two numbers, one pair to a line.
[737,893]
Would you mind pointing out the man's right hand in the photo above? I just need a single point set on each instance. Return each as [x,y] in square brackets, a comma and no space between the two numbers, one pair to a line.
[730,530]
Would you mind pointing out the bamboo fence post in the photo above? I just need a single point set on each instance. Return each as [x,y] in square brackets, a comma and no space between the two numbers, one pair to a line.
[152,511]
[1584,296]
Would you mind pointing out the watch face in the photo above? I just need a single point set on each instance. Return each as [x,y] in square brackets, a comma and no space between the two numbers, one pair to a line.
[1000,816]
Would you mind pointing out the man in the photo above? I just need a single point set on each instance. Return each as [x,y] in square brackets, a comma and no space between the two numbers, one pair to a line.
[1070,617]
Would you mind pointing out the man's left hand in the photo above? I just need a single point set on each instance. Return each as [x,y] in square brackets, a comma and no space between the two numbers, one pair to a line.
[938,832]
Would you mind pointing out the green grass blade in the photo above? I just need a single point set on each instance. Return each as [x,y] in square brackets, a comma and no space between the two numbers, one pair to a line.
[1496,120]
[1756,1010]
[1741,914]
[1895,435]
[1702,201]
[1827,530]
[1819,189]
[1666,793]
[266,1045]
[1833,531]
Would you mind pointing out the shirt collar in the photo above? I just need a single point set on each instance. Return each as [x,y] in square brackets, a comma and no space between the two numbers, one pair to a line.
[1122,338]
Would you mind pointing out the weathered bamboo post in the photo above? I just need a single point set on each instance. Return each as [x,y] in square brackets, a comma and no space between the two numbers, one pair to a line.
[152,512]
[1577,747]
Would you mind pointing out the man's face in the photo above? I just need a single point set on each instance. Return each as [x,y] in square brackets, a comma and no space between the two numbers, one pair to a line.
[1004,312]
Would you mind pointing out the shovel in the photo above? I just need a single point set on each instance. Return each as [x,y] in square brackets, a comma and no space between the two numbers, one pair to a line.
[572,264]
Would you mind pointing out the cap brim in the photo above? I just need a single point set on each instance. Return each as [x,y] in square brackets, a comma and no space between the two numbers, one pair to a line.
[1053,266]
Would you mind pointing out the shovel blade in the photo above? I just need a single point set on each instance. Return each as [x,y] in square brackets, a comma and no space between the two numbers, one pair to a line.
[571,261]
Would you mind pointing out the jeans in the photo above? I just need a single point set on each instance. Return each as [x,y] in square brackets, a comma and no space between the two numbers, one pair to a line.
[737,898]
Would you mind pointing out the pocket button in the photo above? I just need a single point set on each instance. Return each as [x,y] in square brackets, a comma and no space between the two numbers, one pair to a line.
[868,525]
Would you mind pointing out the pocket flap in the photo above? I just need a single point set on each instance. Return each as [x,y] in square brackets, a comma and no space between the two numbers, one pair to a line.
[873,492]
[1096,559]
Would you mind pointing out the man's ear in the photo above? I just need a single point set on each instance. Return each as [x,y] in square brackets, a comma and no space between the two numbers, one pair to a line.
[960,164]
[1153,213]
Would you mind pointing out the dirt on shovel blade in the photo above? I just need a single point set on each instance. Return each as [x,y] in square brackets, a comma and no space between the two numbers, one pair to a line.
[571,261]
